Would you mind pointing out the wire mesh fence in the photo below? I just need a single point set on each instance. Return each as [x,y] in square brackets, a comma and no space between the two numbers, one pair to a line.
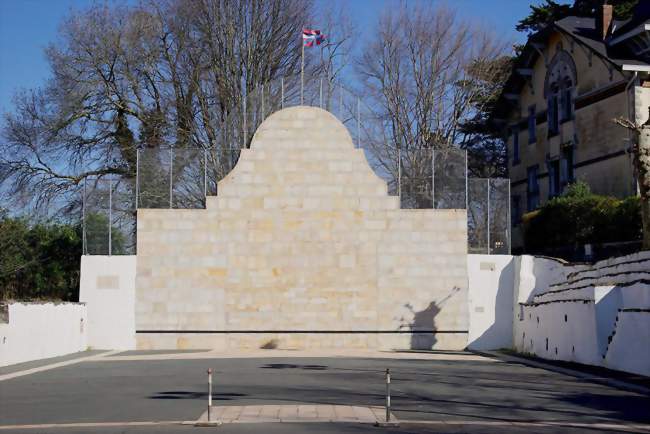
[182,177]
[108,214]
[433,178]
[488,215]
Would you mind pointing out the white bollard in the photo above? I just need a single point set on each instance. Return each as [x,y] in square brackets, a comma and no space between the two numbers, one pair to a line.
[387,395]
[209,392]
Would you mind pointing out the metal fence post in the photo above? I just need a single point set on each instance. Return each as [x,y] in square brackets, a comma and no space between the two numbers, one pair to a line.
[358,122]
[466,183]
[399,174]
[509,227]
[137,176]
[171,177]
[245,126]
[320,98]
[110,216]
[282,92]
[205,176]
[263,115]
[433,178]
[84,246]
[488,216]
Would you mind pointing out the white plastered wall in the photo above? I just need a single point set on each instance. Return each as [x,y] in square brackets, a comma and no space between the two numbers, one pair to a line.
[108,289]
[42,330]
[491,280]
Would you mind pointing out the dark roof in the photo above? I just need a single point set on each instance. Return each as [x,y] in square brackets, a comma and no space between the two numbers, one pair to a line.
[584,32]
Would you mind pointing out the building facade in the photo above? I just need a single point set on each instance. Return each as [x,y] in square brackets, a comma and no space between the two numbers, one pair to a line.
[559,108]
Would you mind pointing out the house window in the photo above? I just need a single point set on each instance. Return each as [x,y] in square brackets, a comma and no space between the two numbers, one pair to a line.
[516,210]
[560,80]
[532,188]
[515,146]
[566,103]
[553,178]
[566,167]
[532,124]
[553,125]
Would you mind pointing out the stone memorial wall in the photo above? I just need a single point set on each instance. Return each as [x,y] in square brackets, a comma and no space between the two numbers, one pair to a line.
[302,248]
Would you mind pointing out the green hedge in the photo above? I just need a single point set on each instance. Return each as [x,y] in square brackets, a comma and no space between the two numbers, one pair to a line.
[39,261]
[580,217]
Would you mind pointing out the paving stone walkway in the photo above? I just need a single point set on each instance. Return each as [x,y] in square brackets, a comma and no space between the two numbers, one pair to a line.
[295,413]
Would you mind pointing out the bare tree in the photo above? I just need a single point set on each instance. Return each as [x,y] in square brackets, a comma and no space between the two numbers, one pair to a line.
[641,153]
[420,77]
[171,73]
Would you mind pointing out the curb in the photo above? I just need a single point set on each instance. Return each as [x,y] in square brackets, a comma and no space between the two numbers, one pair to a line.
[539,363]
[207,424]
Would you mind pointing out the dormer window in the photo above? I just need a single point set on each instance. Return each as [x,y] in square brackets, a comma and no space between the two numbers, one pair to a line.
[553,125]
[559,83]
[515,145]
[566,102]
[532,125]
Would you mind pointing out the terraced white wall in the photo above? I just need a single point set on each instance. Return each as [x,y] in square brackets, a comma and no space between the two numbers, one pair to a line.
[595,314]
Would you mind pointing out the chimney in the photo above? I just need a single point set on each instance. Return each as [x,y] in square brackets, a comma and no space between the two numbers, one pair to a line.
[604,21]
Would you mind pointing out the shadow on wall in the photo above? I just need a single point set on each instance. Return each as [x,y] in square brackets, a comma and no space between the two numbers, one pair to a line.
[423,325]
[499,333]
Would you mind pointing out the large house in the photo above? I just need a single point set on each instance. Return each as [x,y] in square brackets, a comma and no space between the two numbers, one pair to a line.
[557,110]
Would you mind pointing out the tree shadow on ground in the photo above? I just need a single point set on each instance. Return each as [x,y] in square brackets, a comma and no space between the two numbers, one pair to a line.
[180,394]
[292,366]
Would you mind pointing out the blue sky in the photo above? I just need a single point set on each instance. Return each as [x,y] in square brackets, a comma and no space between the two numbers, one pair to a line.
[27,26]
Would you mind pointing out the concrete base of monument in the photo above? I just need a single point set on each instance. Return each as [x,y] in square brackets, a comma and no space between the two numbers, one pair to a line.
[449,340]
[302,413]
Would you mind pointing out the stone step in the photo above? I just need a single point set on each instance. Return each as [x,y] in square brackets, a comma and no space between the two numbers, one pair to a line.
[291,413]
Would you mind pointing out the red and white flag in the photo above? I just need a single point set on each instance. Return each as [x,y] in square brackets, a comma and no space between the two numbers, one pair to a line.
[311,36]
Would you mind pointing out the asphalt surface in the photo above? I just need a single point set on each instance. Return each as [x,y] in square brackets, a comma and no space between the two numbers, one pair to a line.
[422,390]
[44,362]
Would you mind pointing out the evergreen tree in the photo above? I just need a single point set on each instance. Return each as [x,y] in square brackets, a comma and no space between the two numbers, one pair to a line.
[551,11]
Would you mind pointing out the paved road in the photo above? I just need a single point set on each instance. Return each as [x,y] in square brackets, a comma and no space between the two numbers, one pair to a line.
[458,391]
